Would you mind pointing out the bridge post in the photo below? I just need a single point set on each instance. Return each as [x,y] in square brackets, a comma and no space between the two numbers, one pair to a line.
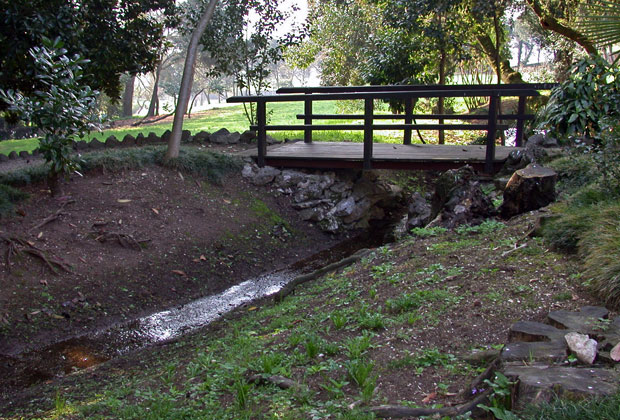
[520,121]
[368,135]
[491,134]
[261,122]
[408,119]
[308,120]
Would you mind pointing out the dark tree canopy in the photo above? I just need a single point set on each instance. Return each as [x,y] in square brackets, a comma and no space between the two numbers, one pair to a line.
[117,36]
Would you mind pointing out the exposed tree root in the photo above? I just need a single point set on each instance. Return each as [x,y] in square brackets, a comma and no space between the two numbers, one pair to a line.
[146,120]
[124,239]
[277,380]
[52,217]
[17,246]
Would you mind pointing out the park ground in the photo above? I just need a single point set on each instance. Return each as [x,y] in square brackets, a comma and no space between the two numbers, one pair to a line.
[392,328]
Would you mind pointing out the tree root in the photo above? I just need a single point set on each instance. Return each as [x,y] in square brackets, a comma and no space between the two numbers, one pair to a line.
[399,411]
[277,380]
[17,246]
[52,217]
[124,239]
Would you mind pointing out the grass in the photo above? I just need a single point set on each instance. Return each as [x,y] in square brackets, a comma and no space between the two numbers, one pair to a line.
[566,409]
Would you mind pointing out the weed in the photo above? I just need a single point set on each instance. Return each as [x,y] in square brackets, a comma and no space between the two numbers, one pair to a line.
[241,389]
[356,347]
[371,321]
[428,232]
[500,398]
[335,387]
[359,370]
[380,271]
[339,319]
[368,389]
[312,345]
[563,296]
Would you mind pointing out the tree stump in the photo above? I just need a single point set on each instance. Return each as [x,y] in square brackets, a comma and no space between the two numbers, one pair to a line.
[528,189]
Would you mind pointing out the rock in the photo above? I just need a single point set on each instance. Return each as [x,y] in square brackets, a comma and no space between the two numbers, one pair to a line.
[529,331]
[37,152]
[140,139]
[312,187]
[541,383]
[247,136]
[3,158]
[95,144]
[264,175]
[528,189]
[128,141]
[330,224]
[186,136]
[585,321]
[13,155]
[220,136]
[615,353]
[111,142]
[248,170]
[343,208]
[539,351]
[166,136]
[419,211]
[289,178]
[310,204]
[153,138]
[482,356]
[202,137]
[361,208]
[80,145]
[315,214]
[582,346]
[24,154]
[271,140]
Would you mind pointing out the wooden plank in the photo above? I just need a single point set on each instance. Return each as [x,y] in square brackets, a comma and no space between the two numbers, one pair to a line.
[375,88]
[358,127]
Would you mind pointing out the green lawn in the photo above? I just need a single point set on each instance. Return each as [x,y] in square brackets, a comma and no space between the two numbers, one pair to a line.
[233,118]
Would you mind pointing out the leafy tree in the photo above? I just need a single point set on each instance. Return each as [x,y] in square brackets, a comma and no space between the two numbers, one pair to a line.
[64,110]
[116,36]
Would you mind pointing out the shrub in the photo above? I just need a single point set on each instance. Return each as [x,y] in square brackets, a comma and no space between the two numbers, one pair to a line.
[8,197]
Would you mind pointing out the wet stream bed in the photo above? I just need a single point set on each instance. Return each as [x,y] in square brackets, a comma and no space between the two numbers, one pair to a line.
[95,347]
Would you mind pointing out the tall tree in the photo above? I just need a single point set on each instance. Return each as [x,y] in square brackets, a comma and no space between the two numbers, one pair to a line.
[174,143]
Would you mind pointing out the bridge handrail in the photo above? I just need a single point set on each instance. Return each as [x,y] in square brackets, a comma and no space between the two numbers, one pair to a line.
[407,93]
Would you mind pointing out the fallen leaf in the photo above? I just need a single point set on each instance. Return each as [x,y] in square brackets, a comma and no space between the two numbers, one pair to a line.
[43,282]
[181,176]
[124,200]
[72,225]
[30,243]
[155,211]
[203,258]
[57,316]
[252,308]
[196,260]
[35,312]
[180,273]
[227,201]
[21,212]
[39,235]
[82,259]
[429,397]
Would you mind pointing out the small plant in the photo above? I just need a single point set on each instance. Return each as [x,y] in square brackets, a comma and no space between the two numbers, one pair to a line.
[242,390]
[312,345]
[339,319]
[359,370]
[335,387]
[357,346]
[371,321]
[486,227]
[500,398]
[380,271]
[428,232]
[64,110]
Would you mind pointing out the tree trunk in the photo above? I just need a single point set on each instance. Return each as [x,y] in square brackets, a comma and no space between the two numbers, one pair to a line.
[154,105]
[506,72]
[549,22]
[128,97]
[186,82]
[519,54]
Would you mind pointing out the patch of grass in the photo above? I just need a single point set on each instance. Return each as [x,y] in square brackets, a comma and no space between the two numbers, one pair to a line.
[564,409]
[423,232]
[263,212]
[485,228]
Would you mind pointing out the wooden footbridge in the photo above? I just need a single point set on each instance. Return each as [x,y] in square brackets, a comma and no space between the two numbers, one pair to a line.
[370,155]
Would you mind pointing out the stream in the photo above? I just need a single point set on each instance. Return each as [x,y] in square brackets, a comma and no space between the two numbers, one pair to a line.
[96,347]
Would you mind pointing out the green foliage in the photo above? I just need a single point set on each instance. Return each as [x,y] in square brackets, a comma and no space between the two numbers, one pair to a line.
[116,36]
[64,110]
[500,398]
[9,196]
[484,228]
[602,408]
[428,232]
[581,104]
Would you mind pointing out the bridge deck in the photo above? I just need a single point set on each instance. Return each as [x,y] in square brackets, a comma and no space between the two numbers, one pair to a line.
[384,156]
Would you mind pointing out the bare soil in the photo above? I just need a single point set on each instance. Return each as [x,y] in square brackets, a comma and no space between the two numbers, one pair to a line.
[120,245]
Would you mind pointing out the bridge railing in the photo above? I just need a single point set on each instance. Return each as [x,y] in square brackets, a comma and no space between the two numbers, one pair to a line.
[408,94]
